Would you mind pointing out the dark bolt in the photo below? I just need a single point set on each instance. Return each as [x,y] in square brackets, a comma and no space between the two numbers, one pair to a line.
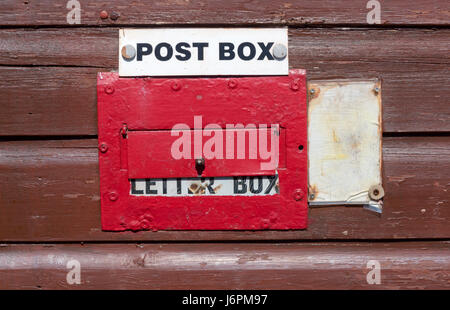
[103,15]
[103,147]
[109,90]
[200,165]
[114,16]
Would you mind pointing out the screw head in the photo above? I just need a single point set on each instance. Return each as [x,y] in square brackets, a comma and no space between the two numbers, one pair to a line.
[298,194]
[103,147]
[176,86]
[295,86]
[232,83]
[114,16]
[279,51]
[128,52]
[312,91]
[113,196]
[109,89]
[376,192]
[103,15]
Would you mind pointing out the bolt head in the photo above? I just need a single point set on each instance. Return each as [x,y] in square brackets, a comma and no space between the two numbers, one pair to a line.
[279,51]
[109,89]
[113,196]
[232,83]
[298,194]
[103,147]
[103,15]
[114,16]
[128,52]
[176,86]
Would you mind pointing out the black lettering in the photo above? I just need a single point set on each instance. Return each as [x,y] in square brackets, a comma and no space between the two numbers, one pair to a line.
[180,48]
[252,185]
[273,180]
[148,184]
[265,51]
[179,186]
[241,51]
[226,48]
[134,191]
[200,46]
[209,187]
[240,182]
[158,51]
[164,186]
[142,50]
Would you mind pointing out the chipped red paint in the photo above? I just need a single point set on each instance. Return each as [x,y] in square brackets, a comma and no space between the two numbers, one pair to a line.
[142,106]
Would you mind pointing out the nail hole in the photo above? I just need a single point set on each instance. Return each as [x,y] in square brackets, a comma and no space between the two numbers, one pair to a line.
[300,148]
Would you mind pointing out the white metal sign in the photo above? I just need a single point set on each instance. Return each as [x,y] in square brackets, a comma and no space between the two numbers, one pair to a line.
[203,51]
[344,143]
[217,186]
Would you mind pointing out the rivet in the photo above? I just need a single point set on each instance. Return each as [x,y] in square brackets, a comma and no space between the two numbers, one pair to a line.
[109,89]
[312,91]
[103,15]
[103,147]
[113,196]
[376,192]
[298,194]
[232,83]
[176,86]
[279,51]
[114,16]
[376,90]
[128,52]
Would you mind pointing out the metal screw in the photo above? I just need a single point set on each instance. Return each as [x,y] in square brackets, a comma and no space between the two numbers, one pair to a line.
[312,196]
[298,194]
[113,196]
[376,90]
[176,86]
[312,91]
[103,147]
[376,192]
[294,85]
[103,15]
[109,89]
[128,52]
[232,83]
[114,16]
[279,52]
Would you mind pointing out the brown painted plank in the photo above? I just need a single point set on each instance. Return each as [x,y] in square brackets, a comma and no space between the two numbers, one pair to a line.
[49,191]
[403,265]
[412,63]
[98,47]
[297,12]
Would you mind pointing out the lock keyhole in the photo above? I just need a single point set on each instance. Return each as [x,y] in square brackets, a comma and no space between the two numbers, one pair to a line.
[200,165]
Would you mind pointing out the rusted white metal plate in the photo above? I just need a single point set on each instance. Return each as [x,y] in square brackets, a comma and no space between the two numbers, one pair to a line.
[344,142]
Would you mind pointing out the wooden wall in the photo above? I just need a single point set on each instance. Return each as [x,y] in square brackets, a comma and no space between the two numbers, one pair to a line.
[49,182]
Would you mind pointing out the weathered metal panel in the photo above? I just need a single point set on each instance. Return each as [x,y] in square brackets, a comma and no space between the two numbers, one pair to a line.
[344,142]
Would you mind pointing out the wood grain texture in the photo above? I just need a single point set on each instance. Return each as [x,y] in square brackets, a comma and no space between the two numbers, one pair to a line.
[49,191]
[297,12]
[410,265]
[413,65]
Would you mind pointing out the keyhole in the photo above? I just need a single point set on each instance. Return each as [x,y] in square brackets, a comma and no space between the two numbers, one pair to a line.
[200,165]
